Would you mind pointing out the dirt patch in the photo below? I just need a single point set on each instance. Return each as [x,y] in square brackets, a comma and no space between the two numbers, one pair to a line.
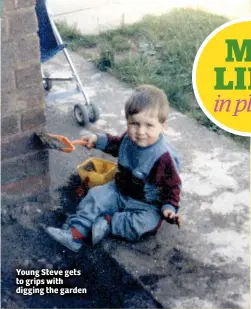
[26,246]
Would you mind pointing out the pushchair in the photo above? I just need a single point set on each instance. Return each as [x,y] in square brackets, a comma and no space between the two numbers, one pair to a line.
[51,43]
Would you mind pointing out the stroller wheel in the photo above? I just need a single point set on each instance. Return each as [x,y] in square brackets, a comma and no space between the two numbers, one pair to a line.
[93,112]
[81,114]
[47,83]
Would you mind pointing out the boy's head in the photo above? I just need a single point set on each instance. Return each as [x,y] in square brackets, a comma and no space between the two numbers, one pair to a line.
[146,112]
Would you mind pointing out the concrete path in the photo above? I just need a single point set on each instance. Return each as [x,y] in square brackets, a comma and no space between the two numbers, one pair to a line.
[206,263]
[93,16]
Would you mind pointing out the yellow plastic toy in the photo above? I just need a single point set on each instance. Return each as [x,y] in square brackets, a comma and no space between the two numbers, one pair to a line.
[97,171]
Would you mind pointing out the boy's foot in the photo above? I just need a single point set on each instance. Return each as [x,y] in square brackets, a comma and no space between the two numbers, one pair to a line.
[100,229]
[64,237]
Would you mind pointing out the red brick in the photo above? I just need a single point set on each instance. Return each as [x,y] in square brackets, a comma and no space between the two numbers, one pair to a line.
[11,104]
[19,101]
[8,82]
[18,145]
[28,186]
[28,76]
[34,96]
[8,5]
[15,169]
[10,125]
[27,49]
[25,3]
[4,29]
[37,163]
[22,22]
[8,103]
[8,58]
[32,119]
[12,171]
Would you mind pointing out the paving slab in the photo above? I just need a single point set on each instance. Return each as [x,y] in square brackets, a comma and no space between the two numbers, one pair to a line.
[205,264]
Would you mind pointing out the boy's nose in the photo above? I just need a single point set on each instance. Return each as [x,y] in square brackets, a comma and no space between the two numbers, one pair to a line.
[141,130]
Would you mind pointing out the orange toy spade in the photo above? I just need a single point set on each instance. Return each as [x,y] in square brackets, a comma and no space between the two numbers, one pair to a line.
[58,142]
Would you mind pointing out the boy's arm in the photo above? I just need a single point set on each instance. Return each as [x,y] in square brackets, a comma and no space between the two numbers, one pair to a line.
[169,183]
[170,191]
[109,144]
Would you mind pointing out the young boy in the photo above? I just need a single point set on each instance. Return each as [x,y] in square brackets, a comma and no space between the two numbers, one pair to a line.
[146,187]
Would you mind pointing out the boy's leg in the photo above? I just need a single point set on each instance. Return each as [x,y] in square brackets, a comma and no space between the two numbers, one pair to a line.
[100,200]
[132,223]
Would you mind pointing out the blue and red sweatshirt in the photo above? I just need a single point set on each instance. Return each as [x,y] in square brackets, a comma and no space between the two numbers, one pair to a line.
[149,174]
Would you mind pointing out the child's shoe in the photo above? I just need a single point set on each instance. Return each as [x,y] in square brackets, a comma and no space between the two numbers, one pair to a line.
[64,237]
[100,229]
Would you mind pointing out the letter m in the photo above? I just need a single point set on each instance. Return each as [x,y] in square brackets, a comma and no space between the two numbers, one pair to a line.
[233,48]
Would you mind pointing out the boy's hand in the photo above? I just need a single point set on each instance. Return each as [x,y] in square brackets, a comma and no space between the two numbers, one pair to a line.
[90,139]
[171,217]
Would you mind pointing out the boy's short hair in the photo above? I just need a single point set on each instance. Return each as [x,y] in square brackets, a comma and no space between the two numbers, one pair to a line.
[148,97]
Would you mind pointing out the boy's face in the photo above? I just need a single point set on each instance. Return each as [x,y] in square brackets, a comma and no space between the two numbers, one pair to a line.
[144,128]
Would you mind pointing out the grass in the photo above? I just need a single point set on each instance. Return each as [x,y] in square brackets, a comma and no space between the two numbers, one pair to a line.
[73,37]
[158,50]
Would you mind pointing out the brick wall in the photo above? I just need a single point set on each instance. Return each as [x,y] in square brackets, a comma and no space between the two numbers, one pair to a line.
[25,170]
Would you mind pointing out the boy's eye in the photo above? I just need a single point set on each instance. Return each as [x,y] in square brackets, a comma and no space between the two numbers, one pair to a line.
[149,125]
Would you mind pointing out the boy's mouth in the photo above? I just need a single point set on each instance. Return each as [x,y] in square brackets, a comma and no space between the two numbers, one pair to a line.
[140,139]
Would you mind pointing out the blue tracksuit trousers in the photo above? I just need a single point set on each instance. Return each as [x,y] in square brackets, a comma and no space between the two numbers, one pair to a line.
[130,219]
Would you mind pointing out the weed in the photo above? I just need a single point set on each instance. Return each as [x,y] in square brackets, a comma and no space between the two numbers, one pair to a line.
[74,38]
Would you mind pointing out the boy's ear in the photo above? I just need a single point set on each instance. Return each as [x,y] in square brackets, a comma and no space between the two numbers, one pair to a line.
[164,125]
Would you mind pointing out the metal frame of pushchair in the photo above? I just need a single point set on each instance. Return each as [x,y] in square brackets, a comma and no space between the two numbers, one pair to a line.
[86,112]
